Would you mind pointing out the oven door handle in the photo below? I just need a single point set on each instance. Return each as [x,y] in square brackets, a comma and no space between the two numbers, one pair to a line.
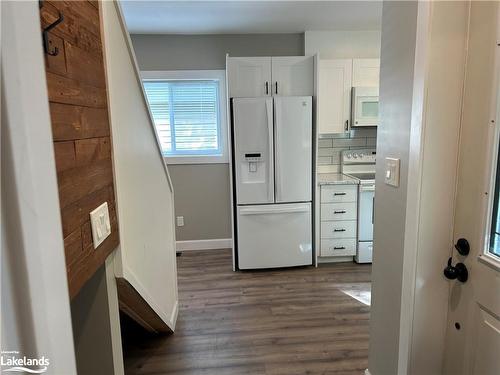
[373,209]
[367,188]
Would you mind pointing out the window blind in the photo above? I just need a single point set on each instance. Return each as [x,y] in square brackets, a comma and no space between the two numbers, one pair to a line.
[186,116]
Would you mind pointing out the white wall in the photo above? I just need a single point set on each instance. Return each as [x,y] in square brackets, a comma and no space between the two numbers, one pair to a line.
[35,310]
[393,140]
[143,189]
[343,44]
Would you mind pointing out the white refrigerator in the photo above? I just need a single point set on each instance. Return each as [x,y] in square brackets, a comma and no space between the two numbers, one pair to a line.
[272,171]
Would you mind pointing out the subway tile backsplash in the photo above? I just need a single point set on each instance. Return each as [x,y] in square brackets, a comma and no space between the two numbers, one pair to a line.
[331,145]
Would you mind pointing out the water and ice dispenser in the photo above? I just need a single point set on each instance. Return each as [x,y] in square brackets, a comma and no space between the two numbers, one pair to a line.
[253,158]
[253,167]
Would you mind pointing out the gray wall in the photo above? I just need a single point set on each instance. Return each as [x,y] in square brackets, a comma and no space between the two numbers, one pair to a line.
[201,194]
[193,52]
[202,190]
[92,328]
[393,136]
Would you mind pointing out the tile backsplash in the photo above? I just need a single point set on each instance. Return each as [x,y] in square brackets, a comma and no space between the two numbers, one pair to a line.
[331,145]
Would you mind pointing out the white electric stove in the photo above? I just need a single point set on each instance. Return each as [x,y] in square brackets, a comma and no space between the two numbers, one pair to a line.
[360,164]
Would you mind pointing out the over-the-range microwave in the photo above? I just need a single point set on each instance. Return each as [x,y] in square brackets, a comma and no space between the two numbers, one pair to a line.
[364,107]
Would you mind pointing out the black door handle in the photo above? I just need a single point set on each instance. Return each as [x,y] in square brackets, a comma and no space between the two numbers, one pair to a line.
[462,246]
[459,272]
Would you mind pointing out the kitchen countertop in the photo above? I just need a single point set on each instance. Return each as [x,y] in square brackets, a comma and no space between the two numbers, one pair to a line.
[335,179]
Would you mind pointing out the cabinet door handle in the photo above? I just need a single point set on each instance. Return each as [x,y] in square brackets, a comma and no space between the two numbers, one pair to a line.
[339,248]
[339,212]
[336,194]
[267,88]
[339,230]
[276,87]
[346,125]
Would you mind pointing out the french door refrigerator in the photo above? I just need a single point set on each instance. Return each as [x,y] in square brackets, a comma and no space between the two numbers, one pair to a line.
[272,171]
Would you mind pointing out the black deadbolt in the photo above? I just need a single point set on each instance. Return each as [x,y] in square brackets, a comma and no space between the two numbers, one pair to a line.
[459,272]
[462,246]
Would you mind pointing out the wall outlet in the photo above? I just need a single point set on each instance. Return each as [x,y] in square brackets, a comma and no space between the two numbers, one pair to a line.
[101,227]
[180,221]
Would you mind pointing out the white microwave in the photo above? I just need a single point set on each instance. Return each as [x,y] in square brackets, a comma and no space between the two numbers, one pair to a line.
[364,106]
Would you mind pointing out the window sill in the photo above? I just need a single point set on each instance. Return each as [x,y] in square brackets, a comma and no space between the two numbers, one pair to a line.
[178,160]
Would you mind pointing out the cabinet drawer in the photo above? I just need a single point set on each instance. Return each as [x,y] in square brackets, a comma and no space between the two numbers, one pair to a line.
[339,247]
[338,211]
[338,229]
[339,193]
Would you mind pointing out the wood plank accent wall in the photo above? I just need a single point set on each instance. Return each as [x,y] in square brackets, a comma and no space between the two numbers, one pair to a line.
[81,132]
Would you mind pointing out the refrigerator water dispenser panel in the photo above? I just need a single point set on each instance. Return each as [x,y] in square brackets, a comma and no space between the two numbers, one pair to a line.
[252,158]
[253,168]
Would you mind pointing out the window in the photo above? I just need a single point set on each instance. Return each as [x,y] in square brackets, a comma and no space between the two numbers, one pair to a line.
[491,249]
[494,245]
[188,110]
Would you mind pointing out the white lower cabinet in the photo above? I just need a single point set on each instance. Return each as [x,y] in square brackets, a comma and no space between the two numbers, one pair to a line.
[338,247]
[338,216]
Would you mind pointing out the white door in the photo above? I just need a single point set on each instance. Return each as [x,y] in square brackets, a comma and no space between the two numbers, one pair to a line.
[365,72]
[274,235]
[473,330]
[293,148]
[293,76]
[249,76]
[253,154]
[334,95]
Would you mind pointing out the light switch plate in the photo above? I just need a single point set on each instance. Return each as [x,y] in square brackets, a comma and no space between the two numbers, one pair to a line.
[391,176]
[180,221]
[101,227]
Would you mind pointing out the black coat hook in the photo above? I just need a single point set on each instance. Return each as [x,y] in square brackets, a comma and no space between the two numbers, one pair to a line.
[45,33]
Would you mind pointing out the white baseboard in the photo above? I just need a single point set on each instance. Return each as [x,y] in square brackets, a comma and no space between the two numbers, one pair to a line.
[335,259]
[175,313]
[220,243]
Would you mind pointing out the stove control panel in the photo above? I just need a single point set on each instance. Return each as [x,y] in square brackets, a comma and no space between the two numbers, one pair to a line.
[361,156]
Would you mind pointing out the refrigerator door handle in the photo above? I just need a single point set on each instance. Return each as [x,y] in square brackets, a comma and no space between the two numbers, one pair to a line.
[277,151]
[273,210]
[270,169]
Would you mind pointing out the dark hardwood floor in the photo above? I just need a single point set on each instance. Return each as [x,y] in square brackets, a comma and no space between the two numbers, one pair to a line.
[280,322]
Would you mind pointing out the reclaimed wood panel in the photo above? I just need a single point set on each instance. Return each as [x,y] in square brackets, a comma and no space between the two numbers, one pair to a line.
[302,320]
[83,66]
[66,90]
[81,133]
[71,122]
[132,304]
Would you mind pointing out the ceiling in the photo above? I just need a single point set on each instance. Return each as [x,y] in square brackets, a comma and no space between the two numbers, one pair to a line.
[245,17]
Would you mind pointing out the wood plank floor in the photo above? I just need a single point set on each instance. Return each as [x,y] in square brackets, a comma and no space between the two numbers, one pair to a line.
[280,322]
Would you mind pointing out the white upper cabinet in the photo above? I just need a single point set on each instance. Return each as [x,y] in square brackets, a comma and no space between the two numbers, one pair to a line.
[365,72]
[334,95]
[293,76]
[249,76]
[265,76]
